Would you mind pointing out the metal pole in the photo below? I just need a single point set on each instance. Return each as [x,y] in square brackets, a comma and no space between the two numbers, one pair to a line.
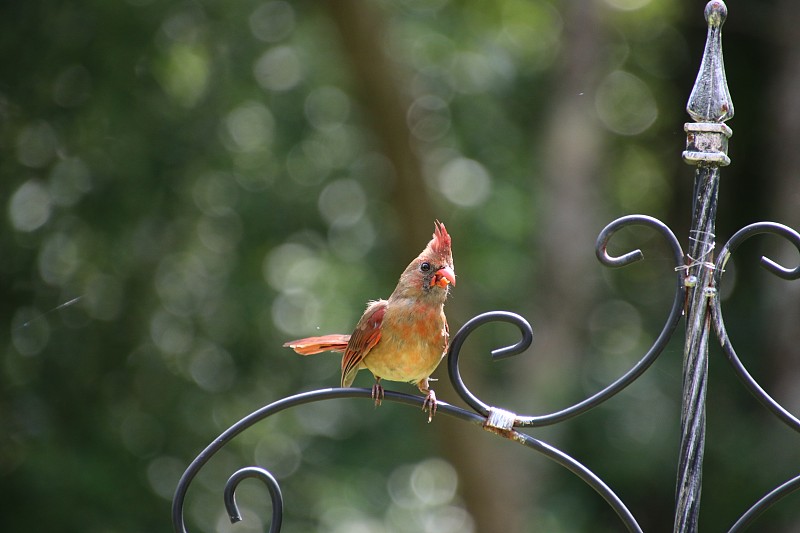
[709,106]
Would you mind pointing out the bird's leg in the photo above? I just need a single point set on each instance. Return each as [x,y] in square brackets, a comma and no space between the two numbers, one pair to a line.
[377,391]
[430,398]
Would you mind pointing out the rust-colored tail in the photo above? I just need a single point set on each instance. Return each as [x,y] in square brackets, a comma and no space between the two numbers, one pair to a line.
[325,343]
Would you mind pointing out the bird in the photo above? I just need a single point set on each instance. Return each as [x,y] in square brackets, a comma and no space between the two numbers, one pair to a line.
[405,337]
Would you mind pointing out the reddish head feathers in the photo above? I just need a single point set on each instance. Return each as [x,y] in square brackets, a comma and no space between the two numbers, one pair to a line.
[440,243]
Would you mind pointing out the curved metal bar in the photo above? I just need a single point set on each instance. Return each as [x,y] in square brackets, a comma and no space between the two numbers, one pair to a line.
[229,496]
[663,337]
[719,324]
[758,228]
[527,334]
[765,503]
[454,350]
[556,455]
[634,220]
[179,498]
[586,475]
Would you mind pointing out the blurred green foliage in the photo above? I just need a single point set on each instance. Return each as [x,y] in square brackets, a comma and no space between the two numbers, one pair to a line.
[187,184]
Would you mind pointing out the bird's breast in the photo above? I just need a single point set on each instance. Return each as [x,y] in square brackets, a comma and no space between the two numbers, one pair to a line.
[413,342]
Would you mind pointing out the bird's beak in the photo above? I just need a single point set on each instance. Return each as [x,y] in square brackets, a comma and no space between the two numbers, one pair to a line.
[444,277]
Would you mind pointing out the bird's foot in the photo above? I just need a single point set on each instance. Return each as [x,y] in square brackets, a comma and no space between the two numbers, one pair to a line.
[377,394]
[430,404]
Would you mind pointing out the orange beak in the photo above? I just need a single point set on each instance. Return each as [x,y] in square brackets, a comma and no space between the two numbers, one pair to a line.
[444,277]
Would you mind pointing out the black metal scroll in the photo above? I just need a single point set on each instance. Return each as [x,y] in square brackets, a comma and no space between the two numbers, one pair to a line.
[615,387]
[738,367]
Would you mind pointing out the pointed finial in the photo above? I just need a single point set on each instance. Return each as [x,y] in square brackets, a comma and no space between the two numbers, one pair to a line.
[710,100]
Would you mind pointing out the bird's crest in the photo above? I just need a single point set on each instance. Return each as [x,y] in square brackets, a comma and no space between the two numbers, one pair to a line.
[440,243]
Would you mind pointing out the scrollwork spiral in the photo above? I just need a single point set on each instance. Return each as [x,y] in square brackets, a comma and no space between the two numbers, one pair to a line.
[655,350]
[716,310]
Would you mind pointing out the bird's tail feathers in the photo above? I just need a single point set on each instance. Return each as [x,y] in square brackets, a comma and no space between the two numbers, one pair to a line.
[313,345]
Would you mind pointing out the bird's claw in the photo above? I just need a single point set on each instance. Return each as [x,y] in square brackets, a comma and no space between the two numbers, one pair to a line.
[377,394]
[430,404]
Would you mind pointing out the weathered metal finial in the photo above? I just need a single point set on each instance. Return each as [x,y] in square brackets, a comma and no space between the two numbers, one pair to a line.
[710,103]
[710,100]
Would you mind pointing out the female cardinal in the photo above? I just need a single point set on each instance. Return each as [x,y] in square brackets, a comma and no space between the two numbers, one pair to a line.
[405,337]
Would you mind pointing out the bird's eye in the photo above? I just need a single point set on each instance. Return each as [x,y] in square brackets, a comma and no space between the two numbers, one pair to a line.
[425,267]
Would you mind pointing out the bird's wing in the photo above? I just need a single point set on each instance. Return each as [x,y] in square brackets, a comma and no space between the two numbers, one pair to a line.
[364,337]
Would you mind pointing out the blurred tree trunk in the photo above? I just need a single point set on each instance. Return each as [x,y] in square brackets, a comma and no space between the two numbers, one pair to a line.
[569,209]
[490,489]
